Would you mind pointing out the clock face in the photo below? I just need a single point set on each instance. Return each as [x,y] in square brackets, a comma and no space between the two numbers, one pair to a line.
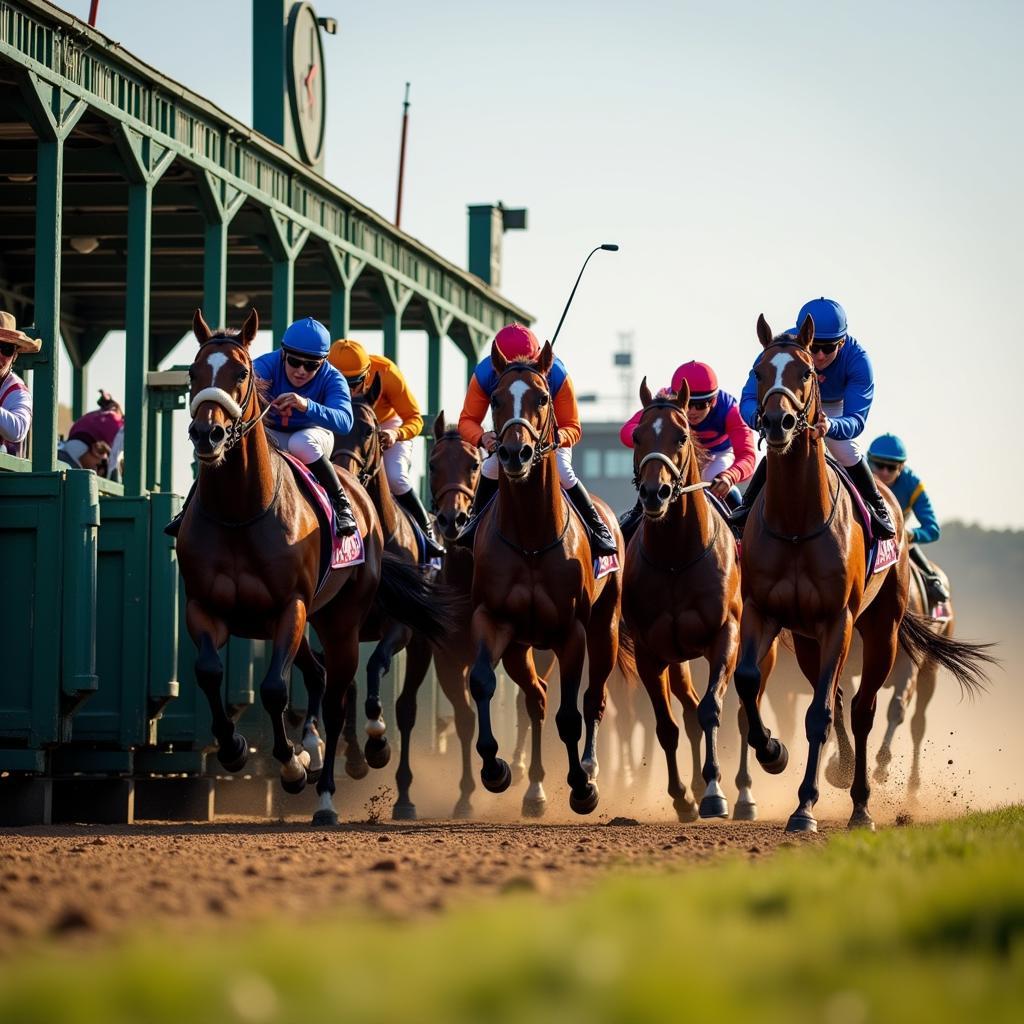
[306,87]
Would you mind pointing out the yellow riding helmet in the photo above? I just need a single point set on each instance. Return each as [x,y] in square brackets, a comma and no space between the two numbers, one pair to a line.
[350,358]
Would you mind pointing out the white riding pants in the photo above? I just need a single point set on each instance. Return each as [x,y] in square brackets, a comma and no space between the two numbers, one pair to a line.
[720,462]
[563,456]
[397,460]
[846,453]
[307,445]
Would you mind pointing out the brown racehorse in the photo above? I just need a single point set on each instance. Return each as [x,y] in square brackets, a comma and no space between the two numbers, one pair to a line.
[359,452]
[804,568]
[681,593]
[533,583]
[249,552]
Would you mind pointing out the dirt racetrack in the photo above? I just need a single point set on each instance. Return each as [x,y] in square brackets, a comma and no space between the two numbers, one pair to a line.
[72,883]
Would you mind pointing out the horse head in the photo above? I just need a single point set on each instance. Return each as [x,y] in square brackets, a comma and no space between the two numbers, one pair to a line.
[788,400]
[523,414]
[359,451]
[454,468]
[664,458]
[222,387]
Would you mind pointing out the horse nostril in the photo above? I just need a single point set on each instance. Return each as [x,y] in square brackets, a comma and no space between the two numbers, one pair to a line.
[788,422]
[503,453]
[217,434]
[461,518]
[664,492]
[442,520]
[642,491]
[526,453]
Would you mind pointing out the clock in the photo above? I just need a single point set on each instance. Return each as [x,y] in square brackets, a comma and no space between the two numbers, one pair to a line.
[307,90]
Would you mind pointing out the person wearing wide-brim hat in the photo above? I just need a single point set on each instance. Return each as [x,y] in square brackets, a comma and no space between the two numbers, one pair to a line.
[15,398]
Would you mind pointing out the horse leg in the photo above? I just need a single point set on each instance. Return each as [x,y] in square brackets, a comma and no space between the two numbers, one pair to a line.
[451,674]
[746,806]
[210,635]
[680,684]
[833,645]
[314,677]
[493,639]
[355,764]
[377,749]
[721,660]
[602,653]
[417,664]
[522,729]
[757,637]
[927,677]
[583,794]
[654,676]
[288,635]
[904,675]
[518,662]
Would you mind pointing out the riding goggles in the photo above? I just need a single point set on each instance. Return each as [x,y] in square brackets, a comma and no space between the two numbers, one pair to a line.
[699,404]
[883,466]
[7,348]
[356,382]
[311,365]
[825,347]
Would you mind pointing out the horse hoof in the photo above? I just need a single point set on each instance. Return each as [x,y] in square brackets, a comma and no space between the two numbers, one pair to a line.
[800,821]
[774,764]
[378,753]
[838,776]
[861,820]
[586,800]
[234,760]
[501,777]
[463,809]
[355,764]
[403,812]
[686,810]
[714,806]
[324,818]
[744,812]
[534,807]
[294,786]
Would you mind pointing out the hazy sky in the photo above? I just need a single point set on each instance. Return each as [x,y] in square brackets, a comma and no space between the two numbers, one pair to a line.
[746,156]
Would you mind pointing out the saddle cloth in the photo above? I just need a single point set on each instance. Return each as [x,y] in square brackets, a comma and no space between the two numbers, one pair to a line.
[604,565]
[881,552]
[335,552]
[421,542]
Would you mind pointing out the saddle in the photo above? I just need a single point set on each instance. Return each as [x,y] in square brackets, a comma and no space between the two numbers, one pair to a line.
[335,552]
[937,611]
[422,559]
[881,553]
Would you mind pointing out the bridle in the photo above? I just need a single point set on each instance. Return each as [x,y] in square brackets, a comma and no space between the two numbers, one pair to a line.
[365,476]
[239,425]
[679,488]
[802,421]
[544,439]
[456,487]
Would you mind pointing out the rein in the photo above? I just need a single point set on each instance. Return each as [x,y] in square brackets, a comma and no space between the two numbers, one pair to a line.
[365,476]
[458,488]
[678,487]
[525,552]
[545,437]
[802,422]
[673,570]
[800,538]
[238,524]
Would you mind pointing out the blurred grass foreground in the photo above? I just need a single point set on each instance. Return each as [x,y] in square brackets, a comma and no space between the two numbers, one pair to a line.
[913,924]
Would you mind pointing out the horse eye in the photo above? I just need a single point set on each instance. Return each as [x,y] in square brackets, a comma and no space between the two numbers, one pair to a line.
[807,374]
[495,401]
[542,400]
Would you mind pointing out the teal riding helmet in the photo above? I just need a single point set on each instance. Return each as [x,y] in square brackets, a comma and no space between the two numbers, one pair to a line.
[889,448]
[829,318]
[309,337]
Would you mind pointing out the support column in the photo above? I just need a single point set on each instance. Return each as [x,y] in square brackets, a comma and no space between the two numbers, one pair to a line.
[286,242]
[343,269]
[79,386]
[394,299]
[439,324]
[219,203]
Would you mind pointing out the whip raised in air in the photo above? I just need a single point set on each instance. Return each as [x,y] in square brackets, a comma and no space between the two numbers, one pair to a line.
[608,247]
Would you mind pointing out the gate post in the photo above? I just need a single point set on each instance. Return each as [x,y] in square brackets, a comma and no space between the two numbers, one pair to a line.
[286,242]
[343,270]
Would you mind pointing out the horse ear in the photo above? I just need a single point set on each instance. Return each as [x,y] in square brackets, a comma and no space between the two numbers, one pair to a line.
[439,425]
[764,332]
[498,360]
[374,390]
[546,358]
[200,329]
[683,395]
[645,394]
[250,327]
[807,331]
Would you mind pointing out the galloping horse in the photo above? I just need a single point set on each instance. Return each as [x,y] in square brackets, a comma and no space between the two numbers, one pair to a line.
[681,593]
[359,452]
[249,548]
[805,568]
[534,585]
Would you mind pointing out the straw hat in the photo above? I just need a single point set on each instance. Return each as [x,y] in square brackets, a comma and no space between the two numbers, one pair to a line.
[9,332]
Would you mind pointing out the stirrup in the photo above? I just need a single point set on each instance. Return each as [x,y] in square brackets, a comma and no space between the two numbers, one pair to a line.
[344,521]
[882,522]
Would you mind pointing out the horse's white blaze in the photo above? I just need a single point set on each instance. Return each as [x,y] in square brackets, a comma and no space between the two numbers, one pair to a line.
[517,389]
[780,361]
[216,361]
[656,427]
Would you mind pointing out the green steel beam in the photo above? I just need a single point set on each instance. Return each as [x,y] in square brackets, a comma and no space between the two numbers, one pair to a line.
[79,386]
[136,398]
[393,300]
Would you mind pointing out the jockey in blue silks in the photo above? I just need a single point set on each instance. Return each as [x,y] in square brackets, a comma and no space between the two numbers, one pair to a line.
[847,386]
[888,459]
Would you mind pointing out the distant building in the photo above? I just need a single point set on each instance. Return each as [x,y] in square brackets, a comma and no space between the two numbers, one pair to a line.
[605,465]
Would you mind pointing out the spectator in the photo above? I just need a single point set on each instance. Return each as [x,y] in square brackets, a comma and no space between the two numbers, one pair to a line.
[96,440]
[15,398]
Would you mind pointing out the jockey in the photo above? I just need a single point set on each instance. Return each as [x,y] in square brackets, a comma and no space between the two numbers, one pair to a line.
[847,387]
[15,398]
[517,342]
[309,405]
[399,418]
[96,440]
[714,417]
[888,457]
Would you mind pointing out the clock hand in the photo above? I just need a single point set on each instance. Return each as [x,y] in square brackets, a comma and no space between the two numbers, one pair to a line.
[308,82]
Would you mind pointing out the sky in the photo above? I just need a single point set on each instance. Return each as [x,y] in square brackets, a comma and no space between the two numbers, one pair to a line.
[745,156]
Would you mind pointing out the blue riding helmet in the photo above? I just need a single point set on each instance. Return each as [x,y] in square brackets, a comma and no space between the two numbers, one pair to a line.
[308,336]
[829,318]
[888,447]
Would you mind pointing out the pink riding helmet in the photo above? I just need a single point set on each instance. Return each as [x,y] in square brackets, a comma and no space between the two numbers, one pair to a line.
[702,379]
[516,342]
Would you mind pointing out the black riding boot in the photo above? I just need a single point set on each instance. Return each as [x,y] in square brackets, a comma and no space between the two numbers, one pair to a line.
[937,590]
[410,501]
[630,521]
[602,542]
[864,480]
[172,528]
[486,488]
[323,469]
[738,519]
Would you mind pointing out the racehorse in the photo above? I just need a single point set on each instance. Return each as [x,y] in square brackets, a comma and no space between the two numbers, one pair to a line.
[249,549]
[534,585]
[681,593]
[805,568]
[359,452]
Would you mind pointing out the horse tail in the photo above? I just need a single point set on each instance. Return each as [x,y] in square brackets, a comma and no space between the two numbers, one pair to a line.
[625,660]
[964,658]
[408,596]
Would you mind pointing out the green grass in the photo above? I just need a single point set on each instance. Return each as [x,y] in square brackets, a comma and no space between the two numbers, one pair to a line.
[913,924]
